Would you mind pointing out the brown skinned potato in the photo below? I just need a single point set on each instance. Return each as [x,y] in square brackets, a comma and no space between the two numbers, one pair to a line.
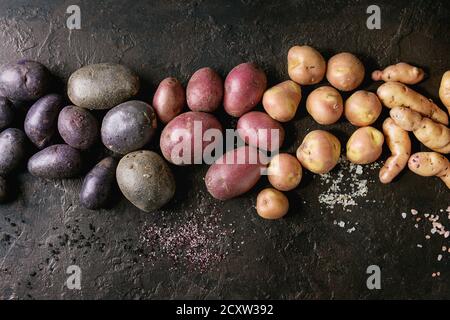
[444,90]
[282,100]
[284,172]
[325,105]
[429,164]
[400,72]
[271,204]
[362,108]
[345,72]
[365,145]
[306,65]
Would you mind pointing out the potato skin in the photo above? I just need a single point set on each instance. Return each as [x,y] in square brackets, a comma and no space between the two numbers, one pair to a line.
[24,80]
[3,190]
[234,173]
[429,164]
[365,145]
[128,126]
[145,180]
[284,172]
[306,65]
[169,99]
[6,113]
[255,129]
[325,105]
[12,150]
[319,151]
[58,161]
[78,127]
[345,71]
[401,72]
[271,204]
[282,100]
[102,86]
[180,133]
[444,90]
[362,108]
[204,90]
[98,184]
[244,88]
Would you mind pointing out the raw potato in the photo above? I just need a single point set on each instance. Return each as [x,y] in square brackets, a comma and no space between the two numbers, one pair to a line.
[234,173]
[429,164]
[282,100]
[6,113]
[272,204]
[444,90]
[78,127]
[399,143]
[12,150]
[3,190]
[306,65]
[400,72]
[365,145]
[204,91]
[169,99]
[396,94]
[433,135]
[362,108]
[145,180]
[345,72]
[325,105]
[284,172]
[244,88]
[319,151]
[257,129]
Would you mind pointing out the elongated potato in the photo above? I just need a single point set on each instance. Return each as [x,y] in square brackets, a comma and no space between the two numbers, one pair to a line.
[444,90]
[399,143]
[282,100]
[400,72]
[271,204]
[345,72]
[429,164]
[432,134]
[396,94]
[362,108]
[365,145]
[325,105]
[305,65]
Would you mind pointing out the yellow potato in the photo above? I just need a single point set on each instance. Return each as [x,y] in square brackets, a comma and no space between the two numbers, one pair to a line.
[444,90]
[365,145]
[345,72]
[362,108]
[429,164]
[306,65]
[401,72]
[282,100]
[325,105]
[284,172]
[271,204]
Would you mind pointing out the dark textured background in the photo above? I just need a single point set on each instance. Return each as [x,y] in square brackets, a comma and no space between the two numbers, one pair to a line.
[304,256]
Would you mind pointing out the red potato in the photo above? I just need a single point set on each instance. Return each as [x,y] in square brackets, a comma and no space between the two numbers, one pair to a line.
[271,204]
[282,100]
[244,88]
[182,138]
[234,173]
[365,145]
[401,72]
[345,72]
[204,91]
[362,108]
[169,99]
[284,172]
[325,105]
[306,65]
[258,130]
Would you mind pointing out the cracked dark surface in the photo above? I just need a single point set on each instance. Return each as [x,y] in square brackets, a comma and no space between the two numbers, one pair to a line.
[304,256]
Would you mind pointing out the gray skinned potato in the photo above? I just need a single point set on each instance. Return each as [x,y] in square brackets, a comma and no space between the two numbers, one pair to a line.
[78,127]
[204,91]
[102,86]
[6,113]
[145,180]
[3,190]
[12,150]
[345,72]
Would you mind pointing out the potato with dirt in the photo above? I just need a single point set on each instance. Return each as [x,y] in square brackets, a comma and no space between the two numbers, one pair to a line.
[145,180]
[271,204]
[6,113]
[325,105]
[284,172]
[259,130]
[306,65]
[319,151]
[345,71]
[399,144]
[169,99]
[204,90]
[12,150]
[362,108]
[282,100]
[78,127]
[244,88]
[365,145]
[430,164]
[400,72]
[396,94]
[444,90]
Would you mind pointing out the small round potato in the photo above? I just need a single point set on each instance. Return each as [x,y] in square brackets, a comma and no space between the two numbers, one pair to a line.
[271,204]
[362,108]
[325,105]
[78,127]
[282,100]
[169,99]
[345,72]
[204,91]
[284,172]
[12,150]
[6,113]
[319,151]
[365,145]
[306,65]
[3,190]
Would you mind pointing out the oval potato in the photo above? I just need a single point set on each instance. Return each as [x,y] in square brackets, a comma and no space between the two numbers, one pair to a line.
[345,71]
[282,100]
[169,99]
[271,204]
[306,65]
[365,145]
[325,105]
[362,108]
[204,91]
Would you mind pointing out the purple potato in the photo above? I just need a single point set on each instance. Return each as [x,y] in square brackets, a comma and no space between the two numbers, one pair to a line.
[98,184]
[56,162]
[41,119]
[128,127]
[6,113]
[78,127]
[12,150]
[24,80]
[3,192]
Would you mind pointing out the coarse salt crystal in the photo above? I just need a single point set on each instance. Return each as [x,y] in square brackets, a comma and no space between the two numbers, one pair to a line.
[414,212]
[404,215]
[439,257]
